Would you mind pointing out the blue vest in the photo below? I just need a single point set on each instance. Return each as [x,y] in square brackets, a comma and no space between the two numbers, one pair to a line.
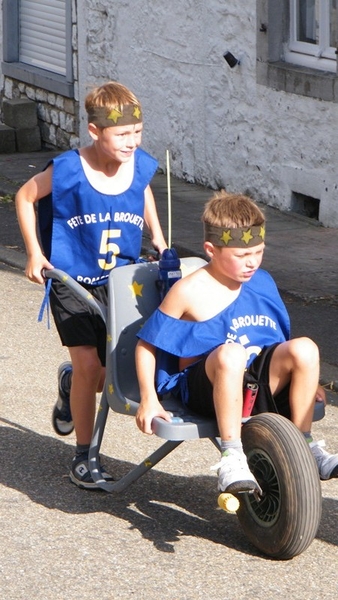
[257,318]
[87,233]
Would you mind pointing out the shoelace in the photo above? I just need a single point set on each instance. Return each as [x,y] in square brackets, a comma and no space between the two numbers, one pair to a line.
[223,459]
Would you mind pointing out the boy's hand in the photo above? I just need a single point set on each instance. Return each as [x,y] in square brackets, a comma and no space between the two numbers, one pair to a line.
[35,266]
[146,413]
[159,247]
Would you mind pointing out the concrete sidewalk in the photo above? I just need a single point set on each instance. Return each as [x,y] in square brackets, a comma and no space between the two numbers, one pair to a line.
[162,539]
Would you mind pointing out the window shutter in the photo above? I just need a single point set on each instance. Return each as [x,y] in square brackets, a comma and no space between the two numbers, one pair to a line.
[43,34]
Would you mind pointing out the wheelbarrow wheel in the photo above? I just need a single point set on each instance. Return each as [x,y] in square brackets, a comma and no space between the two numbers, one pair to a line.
[283,523]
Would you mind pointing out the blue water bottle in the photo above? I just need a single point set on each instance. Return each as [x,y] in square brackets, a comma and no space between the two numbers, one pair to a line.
[169,270]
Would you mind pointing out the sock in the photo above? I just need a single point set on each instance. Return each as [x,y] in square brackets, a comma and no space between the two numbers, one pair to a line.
[235,444]
[308,436]
[82,449]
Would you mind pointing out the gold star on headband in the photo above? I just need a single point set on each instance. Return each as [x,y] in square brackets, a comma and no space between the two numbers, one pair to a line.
[234,237]
[226,237]
[114,115]
[137,112]
[127,114]
[246,237]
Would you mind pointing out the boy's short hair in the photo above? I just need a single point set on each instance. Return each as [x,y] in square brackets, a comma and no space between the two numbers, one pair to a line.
[233,221]
[232,210]
[110,95]
[112,104]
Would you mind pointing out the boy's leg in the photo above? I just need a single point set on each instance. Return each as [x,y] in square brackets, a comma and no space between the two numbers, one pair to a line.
[84,334]
[86,377]
[297,362]
[62,415]
[224,368]
[87,380]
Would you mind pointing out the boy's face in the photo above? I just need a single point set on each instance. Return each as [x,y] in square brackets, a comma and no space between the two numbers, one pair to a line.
[119,142]
[237,264]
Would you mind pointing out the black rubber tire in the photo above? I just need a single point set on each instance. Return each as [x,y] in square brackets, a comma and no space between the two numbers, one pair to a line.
[285,521]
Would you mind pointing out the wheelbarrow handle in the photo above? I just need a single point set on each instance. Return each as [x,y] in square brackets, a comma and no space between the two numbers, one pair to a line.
[79,290]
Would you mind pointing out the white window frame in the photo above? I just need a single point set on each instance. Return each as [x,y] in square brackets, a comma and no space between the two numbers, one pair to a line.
[319,56]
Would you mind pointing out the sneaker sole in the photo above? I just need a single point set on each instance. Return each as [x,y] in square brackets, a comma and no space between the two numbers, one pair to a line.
[239,487]
[87,485]
[332,475]
[83,485]
[61,427]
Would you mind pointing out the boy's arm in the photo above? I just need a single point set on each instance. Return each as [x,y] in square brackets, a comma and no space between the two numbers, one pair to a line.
[150,406]
[33,190]
[152,221]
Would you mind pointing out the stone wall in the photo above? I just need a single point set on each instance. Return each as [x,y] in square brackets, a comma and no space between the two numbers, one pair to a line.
[222,128]
[57,116]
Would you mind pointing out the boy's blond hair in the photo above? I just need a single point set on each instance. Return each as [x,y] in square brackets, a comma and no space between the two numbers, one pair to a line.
[232,210]
[110,95]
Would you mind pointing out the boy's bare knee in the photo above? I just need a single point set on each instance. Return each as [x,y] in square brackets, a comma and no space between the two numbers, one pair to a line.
[304,351]
[230,356]
[86,362]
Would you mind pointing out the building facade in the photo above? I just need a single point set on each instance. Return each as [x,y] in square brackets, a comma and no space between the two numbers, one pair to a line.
[265,126]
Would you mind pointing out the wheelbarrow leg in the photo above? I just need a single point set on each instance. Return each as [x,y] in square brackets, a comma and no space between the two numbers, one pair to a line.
[137,471]
[95,445]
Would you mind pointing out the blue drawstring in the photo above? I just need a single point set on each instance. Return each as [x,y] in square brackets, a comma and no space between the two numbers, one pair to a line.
[45,304]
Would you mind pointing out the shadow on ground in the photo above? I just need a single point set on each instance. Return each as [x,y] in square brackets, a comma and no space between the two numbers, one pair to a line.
[162,507]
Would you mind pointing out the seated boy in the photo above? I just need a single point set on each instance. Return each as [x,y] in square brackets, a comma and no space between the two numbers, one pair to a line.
[224,324]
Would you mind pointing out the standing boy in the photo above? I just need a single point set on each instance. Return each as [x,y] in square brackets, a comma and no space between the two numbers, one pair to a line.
[226,323]
[93,203]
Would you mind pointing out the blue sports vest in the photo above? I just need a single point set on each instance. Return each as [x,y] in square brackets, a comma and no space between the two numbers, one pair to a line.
[257,318]
[87,233]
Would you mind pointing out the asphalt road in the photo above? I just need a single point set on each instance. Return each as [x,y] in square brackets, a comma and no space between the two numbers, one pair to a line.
[163,539]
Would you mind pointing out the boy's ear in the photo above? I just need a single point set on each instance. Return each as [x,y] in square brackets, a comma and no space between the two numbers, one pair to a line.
[209,249]
[93,131]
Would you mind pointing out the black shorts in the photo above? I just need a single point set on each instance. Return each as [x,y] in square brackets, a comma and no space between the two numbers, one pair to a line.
[201,392]
[76,322]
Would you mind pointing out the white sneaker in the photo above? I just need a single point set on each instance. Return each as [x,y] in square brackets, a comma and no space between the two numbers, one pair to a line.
[327,463]
[234,475]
